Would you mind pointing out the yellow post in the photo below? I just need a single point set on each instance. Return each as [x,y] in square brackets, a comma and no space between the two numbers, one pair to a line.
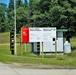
[21,43]
[42,51]
[21,48]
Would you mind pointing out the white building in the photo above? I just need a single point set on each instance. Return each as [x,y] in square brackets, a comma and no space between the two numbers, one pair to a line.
[56,45]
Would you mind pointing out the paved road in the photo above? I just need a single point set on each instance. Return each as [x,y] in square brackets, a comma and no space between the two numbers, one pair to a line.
[6,70]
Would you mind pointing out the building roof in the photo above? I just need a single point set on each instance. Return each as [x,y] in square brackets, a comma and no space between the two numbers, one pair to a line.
[62,30]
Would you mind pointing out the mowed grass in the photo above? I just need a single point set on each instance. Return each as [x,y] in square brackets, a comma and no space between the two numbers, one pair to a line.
[73,42]
[4,38]
[30,58]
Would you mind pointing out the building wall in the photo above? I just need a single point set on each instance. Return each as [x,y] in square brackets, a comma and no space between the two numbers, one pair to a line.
[49,47]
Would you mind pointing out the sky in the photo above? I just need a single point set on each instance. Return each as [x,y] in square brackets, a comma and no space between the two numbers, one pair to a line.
[6,1]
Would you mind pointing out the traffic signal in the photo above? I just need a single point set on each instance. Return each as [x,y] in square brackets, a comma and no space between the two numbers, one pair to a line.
[12,42]
[38,48]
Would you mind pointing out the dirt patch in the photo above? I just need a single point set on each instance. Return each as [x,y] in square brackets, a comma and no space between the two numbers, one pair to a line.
[39,66]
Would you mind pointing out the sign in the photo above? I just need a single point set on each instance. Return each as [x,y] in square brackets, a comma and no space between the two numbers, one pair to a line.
[49,34]
[25,34]
[35,34]
[38,34]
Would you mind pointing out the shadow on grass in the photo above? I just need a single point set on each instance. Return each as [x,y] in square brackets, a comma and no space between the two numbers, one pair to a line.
[73,48]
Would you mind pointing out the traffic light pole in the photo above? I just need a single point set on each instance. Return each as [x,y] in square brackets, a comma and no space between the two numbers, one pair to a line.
[15,24]
[12,42]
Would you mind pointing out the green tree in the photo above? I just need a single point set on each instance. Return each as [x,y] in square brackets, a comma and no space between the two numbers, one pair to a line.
[10,14]
[21,14]
[2,17]
[25,3]
[55,13]
[21,18]
[62,14]
[19,3]
[11,5]
[40,13]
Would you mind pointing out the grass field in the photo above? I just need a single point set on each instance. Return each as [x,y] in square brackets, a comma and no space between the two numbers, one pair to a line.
[28,57]
[4,38]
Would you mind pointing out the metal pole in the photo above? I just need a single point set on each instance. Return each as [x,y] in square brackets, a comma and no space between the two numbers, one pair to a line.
[56,48]
[15,24]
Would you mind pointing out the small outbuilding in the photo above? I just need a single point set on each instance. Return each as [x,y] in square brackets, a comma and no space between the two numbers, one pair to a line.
[56,45]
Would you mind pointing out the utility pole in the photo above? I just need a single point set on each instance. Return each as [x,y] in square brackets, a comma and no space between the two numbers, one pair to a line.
[15,25]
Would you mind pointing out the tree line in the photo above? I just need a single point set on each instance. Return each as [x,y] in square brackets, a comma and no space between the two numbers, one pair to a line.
[39,13]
